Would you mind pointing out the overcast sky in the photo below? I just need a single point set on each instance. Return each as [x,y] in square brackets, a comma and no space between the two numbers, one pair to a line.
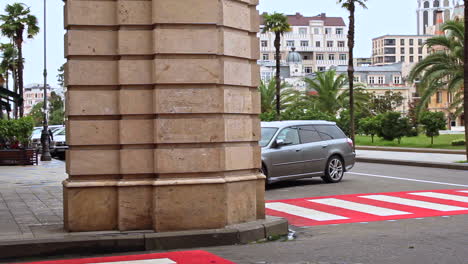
[382,17]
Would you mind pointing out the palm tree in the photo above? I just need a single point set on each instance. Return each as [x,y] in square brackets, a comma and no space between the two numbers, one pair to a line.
[350,5]
[8,64]
[268,95]
[331,96]
[465,88]
[15,22]
[278,24]
[444,69]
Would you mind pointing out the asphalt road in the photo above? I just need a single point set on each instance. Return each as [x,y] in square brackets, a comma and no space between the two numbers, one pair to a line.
[437,240]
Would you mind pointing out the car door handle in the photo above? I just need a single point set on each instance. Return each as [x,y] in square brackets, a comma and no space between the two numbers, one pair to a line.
[324,146]
[297,150]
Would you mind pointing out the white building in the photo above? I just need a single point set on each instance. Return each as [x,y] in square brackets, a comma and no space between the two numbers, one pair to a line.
[426,13]
[34,93]
[320,40]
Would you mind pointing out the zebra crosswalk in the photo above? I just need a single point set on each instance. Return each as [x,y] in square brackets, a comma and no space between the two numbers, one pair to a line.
[354,208]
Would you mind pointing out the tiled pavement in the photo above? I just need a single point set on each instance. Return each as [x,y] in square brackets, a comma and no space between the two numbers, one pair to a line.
[30,197]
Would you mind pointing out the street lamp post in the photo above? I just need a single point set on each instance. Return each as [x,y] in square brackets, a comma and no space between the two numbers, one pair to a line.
[45,130]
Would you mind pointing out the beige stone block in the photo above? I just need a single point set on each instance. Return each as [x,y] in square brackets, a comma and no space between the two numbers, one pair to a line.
[237,43]
[256,128]
[93,162]
[188,99]
[238,128]
[189,207]
[254,47]
[192,39]
[190,129]
[135,42]
[134,12]
[170,11]
[90,209]
[186,160]
[241,202]
[238,100]
[136,131]
[92,102]
[90,42]
[256,102]
[255,74]
[260,199]
[234,68]
[133,102]
[255,20]
[93,132]
[99,13]
[135,72]
[136,161]
[203,70]
[241,157]
[92,72]
[135,208]
[237,15]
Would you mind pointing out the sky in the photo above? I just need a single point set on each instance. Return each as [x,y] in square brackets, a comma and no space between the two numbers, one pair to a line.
[382,17]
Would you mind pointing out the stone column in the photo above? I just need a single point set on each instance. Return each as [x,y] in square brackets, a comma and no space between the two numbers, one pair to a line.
[162,109]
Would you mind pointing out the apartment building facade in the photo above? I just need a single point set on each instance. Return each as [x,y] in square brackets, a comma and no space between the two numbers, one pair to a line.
[320,40]
[34,94]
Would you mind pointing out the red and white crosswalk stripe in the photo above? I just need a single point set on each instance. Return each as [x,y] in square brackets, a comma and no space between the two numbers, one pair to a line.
[370,207]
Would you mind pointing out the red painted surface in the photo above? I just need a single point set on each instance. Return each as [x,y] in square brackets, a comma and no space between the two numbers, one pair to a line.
[183,257]
[356,217]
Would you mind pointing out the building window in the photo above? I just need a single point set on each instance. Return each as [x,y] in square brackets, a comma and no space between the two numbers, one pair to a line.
[341,44]
[381,80]
[402,50]
[264,43]
[319,57]
[420,50]
[306,57]
[411,59]
[402,59]
[331,57]
[290,43]
[371,80]
[330,44]
[317,44]
[339,31]
[308,69]
[411,50]
[343,57]
[316,31]
[304,43]
[397,79]
[420,42]
[303,31]
[402,42]
[439,97]
[321,69]
[411,42]
[265,56]
[420,58]
[328,31]
[357,79]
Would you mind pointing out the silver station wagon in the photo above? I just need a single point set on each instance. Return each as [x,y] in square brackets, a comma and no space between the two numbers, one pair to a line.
[303,149]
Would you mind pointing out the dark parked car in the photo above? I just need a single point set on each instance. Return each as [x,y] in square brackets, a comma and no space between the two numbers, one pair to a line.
[303,149]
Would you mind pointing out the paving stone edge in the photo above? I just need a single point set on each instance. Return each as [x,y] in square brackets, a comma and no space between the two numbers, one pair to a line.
[88,244]
[454,166]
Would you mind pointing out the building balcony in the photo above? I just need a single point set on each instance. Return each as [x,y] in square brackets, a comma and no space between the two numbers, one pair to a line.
[331,62]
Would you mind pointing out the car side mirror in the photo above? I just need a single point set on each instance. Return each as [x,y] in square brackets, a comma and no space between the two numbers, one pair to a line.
[281,142]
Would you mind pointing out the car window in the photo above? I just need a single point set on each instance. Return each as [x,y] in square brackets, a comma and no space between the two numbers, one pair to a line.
[308,134]
[329,132]
[290,136]
[267,135]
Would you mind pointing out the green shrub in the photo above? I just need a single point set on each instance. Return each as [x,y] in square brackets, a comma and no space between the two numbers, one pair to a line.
[394,126]
[20,129]
[458,142]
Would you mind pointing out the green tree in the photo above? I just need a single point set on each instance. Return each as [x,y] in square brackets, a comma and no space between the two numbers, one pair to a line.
[331,96]
[370,126]
[350,5]
[61,75]
[432,123]
[14,23]
[278,24]
[8,64]
[56,110]
[465,73]
[37,114]
[289,97]
[388,102]
[394,126]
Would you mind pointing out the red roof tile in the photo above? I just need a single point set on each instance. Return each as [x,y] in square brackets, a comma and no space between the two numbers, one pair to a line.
[300,20]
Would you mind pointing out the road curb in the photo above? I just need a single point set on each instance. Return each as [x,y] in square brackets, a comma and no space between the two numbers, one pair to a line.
[132,241]
[415,163]
[414,150]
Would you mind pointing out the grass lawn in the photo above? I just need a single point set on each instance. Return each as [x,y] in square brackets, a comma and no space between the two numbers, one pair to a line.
[421,141]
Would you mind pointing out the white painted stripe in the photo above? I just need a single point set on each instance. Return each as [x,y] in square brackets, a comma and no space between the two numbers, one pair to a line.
[145,261]
[407,179]
[444,196]
[364,208]
[415,203]
[463,191]
[303,212]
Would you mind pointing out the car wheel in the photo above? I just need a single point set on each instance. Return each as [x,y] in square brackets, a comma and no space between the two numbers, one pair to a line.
[334,171]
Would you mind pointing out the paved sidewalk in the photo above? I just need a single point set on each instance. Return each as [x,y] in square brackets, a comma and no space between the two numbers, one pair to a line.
[410,156]
[30,197]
